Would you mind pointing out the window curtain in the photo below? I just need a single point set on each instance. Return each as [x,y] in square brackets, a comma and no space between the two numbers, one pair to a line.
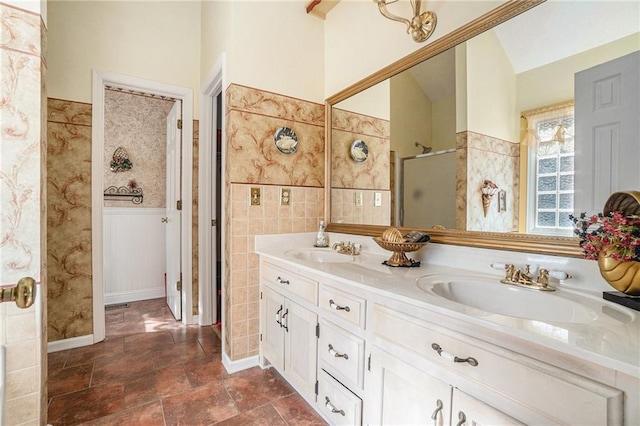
[532,119]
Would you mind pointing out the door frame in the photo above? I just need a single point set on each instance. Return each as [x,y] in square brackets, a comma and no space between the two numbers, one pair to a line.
[185,94]
[211,87]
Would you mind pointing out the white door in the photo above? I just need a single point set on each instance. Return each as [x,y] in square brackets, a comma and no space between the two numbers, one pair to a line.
[607,107]
[272,333]
[173,216]
[300,347]
[401,394]
[467,410]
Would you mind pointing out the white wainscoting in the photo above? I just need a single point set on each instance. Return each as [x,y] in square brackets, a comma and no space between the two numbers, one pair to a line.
[134,254]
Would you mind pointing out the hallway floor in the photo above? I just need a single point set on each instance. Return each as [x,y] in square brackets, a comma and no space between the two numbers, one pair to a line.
[152,370]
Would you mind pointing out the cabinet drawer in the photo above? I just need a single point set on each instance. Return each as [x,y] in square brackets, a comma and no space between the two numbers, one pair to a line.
[340,304]
[342,354]
[290,282]
[338,405]
[566,397]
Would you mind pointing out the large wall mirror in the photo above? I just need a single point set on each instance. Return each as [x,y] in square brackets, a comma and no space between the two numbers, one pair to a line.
[444,138]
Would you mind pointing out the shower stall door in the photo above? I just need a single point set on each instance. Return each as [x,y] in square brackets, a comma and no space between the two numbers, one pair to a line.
[428,190]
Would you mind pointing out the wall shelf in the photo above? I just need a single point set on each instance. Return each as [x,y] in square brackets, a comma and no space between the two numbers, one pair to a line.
[124,193]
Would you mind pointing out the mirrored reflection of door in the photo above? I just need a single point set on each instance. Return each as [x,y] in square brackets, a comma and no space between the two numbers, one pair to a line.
[607,131]
[428,190]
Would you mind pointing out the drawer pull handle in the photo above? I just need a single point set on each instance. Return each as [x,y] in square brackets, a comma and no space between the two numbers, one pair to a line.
[284,316]
[337,354]
[332,407]
[333,305]
[436,347]
[462,419]
[281,281]
[278,317]
[439,408]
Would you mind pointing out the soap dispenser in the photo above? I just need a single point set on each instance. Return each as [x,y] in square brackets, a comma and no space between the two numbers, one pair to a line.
[322,239]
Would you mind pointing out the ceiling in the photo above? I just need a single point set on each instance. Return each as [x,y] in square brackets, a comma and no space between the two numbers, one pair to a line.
[320,8]
[570,27]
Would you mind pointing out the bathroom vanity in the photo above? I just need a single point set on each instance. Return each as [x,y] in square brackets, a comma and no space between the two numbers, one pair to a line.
[446,342]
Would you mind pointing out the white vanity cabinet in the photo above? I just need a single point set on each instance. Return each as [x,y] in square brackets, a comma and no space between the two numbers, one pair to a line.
[404,394]
[364,354]
[493,383]
[341,354]
[288,329]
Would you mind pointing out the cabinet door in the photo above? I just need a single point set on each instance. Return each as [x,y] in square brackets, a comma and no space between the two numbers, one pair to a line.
[401,394]
[300,347]
[272,332]
[466,410]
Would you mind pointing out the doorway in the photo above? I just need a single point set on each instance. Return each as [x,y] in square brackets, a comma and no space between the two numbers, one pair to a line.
[141,234]
[217,161]
[211,245]
[101,81]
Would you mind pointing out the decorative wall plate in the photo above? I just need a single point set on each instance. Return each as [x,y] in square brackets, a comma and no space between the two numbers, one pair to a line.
[286,140]
[120,161]
[359,151]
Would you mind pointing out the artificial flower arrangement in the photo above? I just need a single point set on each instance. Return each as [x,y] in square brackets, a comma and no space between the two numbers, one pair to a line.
[615,235]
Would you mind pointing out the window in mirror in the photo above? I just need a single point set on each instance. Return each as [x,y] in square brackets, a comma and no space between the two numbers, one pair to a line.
[551,169]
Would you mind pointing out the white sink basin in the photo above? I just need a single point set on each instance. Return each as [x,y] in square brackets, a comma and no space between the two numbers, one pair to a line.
[321,255]
[505,299]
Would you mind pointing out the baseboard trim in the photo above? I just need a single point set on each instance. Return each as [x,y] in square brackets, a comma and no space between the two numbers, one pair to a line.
[133,296]
[71,343]
[239,365]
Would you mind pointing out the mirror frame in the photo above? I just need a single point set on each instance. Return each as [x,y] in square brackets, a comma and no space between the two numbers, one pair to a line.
[538,244]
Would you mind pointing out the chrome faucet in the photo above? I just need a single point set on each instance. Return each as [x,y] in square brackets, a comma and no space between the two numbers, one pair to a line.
[347,248]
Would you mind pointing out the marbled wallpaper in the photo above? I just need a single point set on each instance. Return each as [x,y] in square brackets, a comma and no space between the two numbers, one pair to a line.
[253,117]
[194,217]
[70,294]
[496,160]
[373,173]
[138,123]
[22,207]
[252,160]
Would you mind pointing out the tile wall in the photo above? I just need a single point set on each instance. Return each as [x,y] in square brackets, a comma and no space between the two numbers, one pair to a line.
[346,208]
[23,205]
[253,161]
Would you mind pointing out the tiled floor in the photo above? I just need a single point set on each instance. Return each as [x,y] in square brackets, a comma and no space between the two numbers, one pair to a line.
[151,370]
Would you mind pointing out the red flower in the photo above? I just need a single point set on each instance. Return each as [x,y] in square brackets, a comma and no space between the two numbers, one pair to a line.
[616,235]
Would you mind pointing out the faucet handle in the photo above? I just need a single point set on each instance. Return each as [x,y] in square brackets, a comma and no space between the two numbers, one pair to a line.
[560,275]
[499,266]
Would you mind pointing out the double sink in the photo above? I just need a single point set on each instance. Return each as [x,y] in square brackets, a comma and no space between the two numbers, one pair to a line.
[479,294]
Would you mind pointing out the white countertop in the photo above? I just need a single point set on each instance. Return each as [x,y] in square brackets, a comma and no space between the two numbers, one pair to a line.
[611,339]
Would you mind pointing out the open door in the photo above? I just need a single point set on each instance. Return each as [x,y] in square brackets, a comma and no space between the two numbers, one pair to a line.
[173,215]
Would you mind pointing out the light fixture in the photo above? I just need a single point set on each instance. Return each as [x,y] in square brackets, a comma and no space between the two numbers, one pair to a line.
[421,26]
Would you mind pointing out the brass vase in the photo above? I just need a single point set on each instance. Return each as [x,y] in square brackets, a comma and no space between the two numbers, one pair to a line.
[624,276]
